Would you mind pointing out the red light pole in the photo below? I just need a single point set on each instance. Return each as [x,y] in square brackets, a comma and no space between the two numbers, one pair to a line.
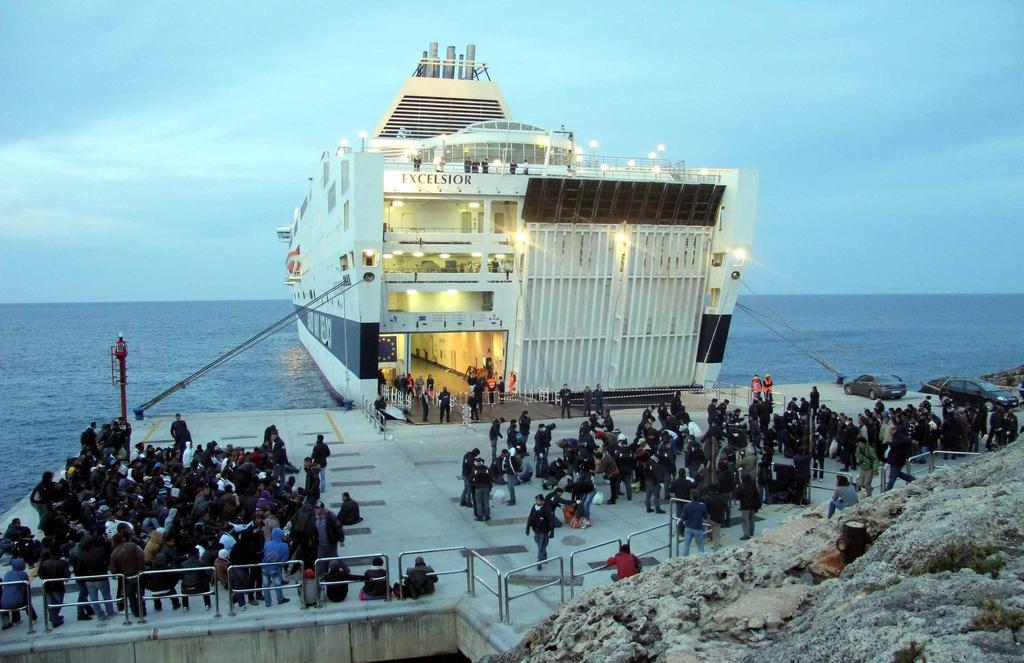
[118,371]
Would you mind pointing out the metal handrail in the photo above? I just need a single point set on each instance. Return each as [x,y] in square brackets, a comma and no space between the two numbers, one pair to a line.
[75,604]
[355,581]
[498,593]
[572,564]
[560,581]
[214,591]
[629,540]
[28,602]
[931,458]
[260,565]
[436,574]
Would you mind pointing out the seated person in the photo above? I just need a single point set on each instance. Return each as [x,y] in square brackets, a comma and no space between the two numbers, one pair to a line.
[336,572]
[348,514]
[376,582]
[625,562]
[419,579]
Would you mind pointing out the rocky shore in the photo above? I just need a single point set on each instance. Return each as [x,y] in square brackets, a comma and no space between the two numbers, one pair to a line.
[1011,377]
[942,580]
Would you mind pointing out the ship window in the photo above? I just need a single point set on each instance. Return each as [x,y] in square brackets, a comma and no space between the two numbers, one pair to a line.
[345,214]
[343,176]
[332,197]
[717,259]
[711,299]
[327,173]
[344,263]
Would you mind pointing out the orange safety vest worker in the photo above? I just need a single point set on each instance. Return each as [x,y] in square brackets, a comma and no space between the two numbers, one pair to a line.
[755,386]
[768,382]
[491,384]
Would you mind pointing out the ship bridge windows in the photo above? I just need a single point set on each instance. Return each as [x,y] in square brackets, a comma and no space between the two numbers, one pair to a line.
[431,263]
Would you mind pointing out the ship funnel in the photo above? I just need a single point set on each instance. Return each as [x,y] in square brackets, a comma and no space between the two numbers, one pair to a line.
[449,63]
[433,70]
[470,61]
[460,72]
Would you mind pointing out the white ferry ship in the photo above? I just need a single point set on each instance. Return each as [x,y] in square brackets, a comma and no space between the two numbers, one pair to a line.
[476,242]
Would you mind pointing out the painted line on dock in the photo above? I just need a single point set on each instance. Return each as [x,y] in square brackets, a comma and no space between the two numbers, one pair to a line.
[353,467]
[356,531]
[342,484]
[334,427]
[156,424]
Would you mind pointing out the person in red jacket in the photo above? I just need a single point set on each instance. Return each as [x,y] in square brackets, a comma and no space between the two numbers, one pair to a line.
[626,563]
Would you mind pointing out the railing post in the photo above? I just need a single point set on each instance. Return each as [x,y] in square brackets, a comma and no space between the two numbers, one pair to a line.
[561,579]
[316,579]
[469,574]
[931,461]
[124,592]
[28,606]
[671,529]
[387,578]
[503,600]
[142,597]
[231,595]
[472,571]
[46,612]
[216,594]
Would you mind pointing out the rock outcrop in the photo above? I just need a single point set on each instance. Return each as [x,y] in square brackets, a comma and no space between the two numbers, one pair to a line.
[1011,377]
[943,580]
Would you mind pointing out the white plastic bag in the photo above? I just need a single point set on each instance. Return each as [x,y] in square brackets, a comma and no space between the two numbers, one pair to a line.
[833,449]
[598,498]
[498,494]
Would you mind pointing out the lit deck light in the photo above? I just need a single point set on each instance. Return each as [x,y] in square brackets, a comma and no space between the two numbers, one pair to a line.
[397,203]
[417,254]
[476,254]
[474,205]
[445,256]
[411,291]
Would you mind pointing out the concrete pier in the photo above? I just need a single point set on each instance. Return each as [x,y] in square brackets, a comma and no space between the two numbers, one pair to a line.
[408,485]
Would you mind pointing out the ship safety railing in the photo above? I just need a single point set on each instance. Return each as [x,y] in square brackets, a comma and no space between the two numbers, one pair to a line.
[254,591]
[509,597]
[357,560]
[497,590]
[107,577]
[572,563]
[213,590]
[10,612]
[675,535]
[648,531]
[462,550]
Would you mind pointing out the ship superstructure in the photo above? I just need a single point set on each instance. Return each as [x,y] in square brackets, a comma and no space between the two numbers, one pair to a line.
[499,246]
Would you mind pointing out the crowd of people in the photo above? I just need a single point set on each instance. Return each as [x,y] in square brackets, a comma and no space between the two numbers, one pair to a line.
[738,461]
[195,511]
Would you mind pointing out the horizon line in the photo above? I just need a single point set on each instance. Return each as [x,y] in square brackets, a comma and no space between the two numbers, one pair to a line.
[274,299]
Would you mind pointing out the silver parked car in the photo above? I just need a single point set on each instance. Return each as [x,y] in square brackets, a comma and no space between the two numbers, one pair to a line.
[877,386]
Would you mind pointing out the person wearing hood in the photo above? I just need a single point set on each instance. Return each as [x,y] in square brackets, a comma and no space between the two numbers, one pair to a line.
[155,543]
[128,559]
[93,559]
[275,552]
[220,566]
[375,585]
[15,596]
[194,582]
[337,572]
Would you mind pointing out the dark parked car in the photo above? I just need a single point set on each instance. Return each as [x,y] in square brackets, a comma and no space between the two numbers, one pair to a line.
[877,386]
[969,391]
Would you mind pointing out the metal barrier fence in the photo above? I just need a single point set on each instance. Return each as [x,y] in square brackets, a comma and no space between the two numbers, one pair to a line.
[560,581]
[646,530]
[214,590]
[251,591]
[28,603]
[931,459]
[74,604]
[572,563]
[498,592]
[436,574]
[354,581]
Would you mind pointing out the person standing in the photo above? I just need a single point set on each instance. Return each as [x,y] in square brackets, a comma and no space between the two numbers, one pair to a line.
[481,480]
[815,400]
[564,397]
[319,455]
[540,521]
[588,400]
[867,461]
[179,432]
[495,435]
[624,460]
[750,502]
[275,552]
[599,399]
[444,401]
[716,508]
[329,533]
[468,464]
[768,385]
[312,486]
[425,404]
[755,387]
[693,516]
[653,478]
[88,438]
[508,470]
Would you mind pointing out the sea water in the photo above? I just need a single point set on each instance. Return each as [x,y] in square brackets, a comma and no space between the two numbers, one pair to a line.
[56,373]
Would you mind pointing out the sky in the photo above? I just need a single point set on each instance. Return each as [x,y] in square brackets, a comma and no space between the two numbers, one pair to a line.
[148,150]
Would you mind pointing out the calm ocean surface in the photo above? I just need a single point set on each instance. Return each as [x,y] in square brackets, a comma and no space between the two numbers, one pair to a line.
[55,365]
